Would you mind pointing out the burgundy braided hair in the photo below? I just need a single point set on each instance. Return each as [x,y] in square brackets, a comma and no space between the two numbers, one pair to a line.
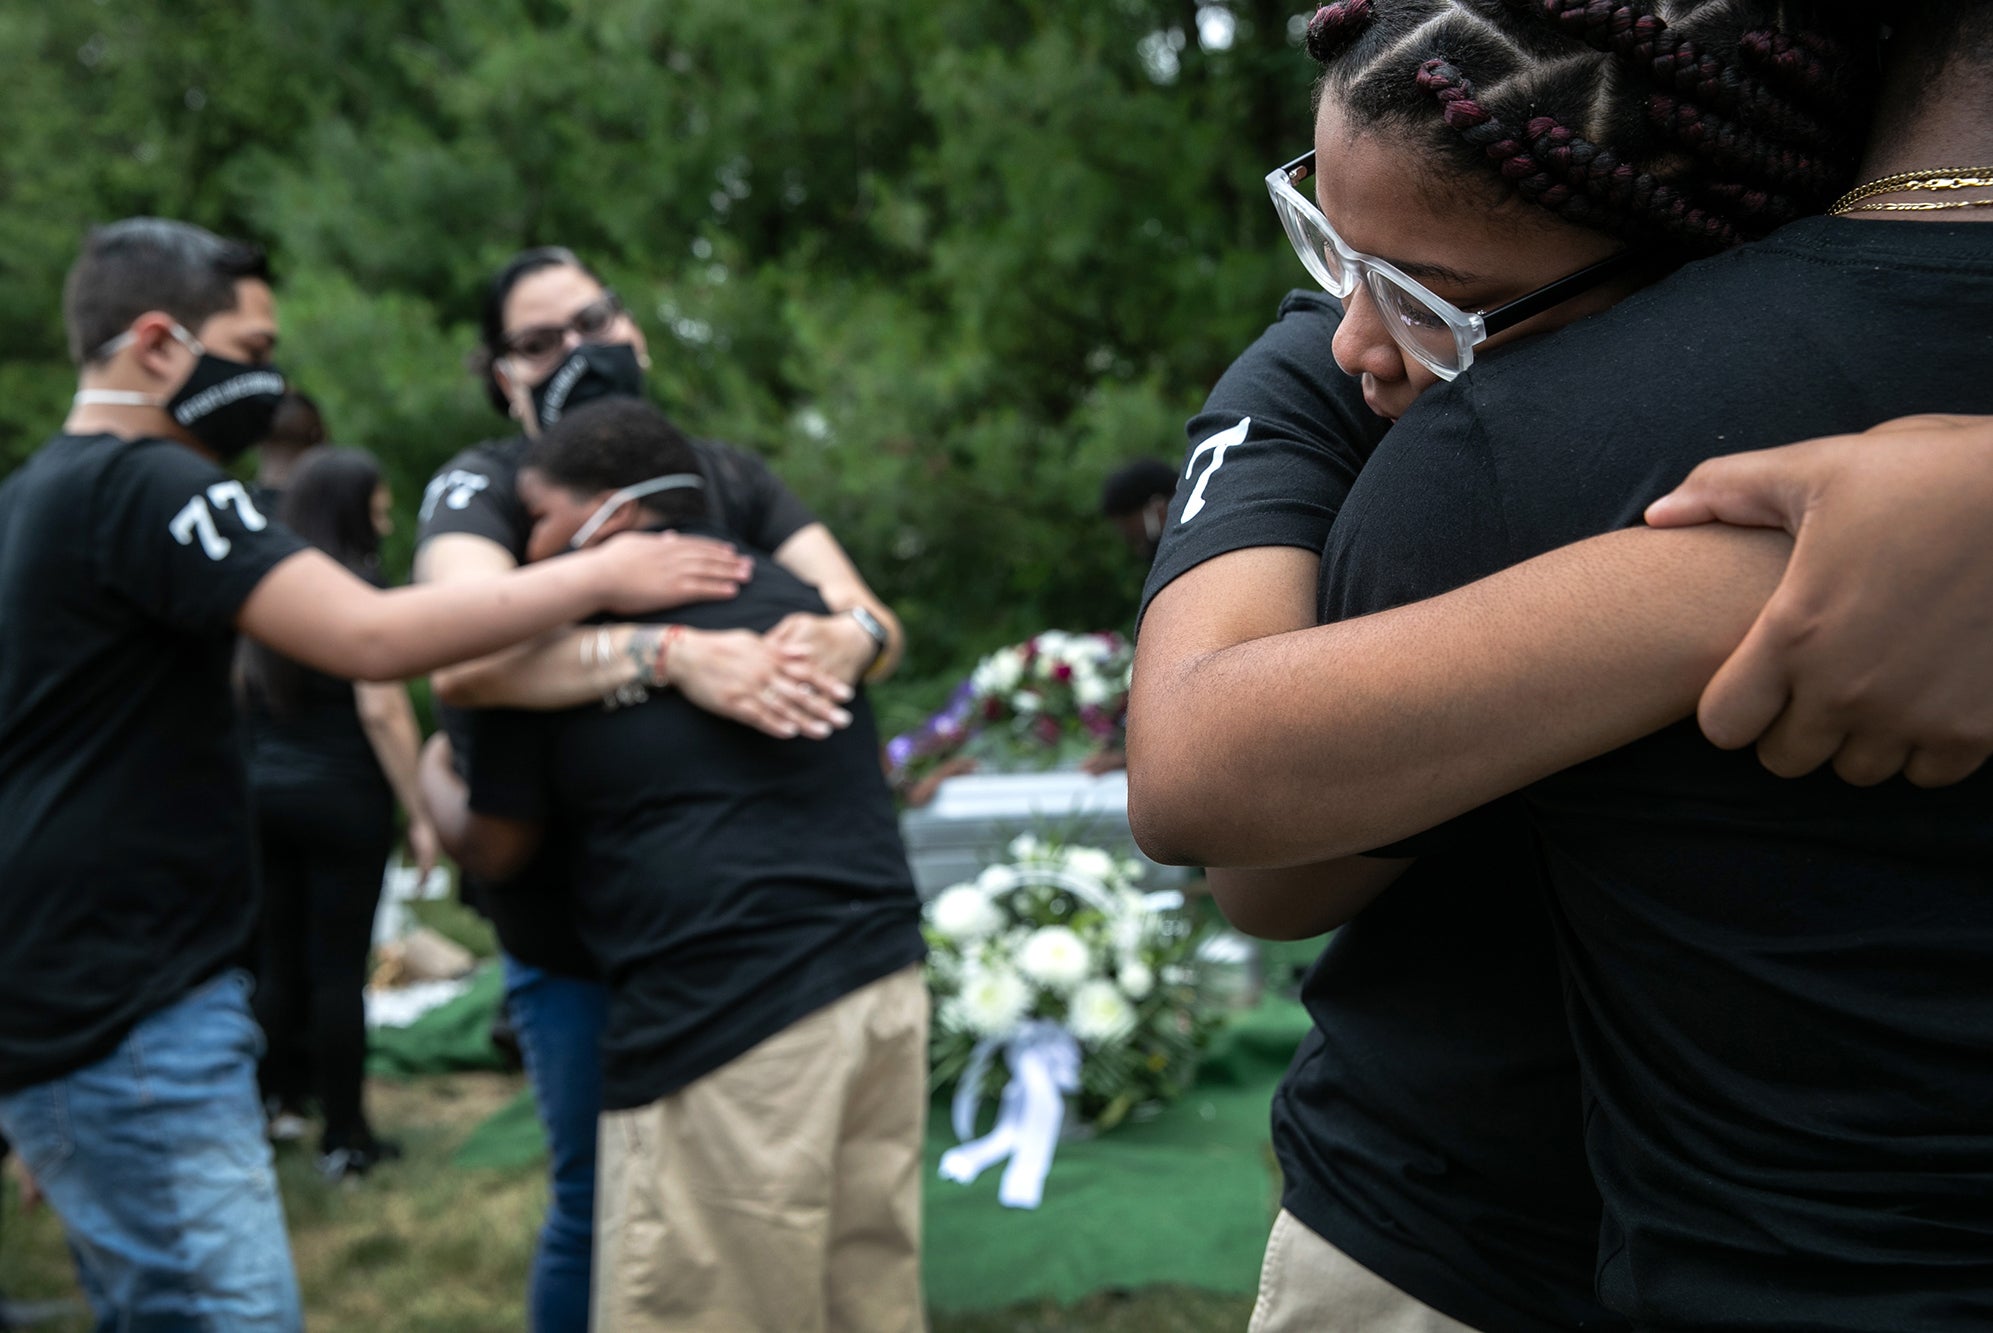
[1643,40]
[1552,165]
[1804,64]
[1736,147]
[1668,131]
[1335,26]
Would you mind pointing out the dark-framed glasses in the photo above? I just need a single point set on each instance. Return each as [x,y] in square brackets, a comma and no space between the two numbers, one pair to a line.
[590,324]
[1436,332]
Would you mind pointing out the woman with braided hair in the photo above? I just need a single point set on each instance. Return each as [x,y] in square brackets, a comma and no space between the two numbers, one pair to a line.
[1562,153]
[1783,1137]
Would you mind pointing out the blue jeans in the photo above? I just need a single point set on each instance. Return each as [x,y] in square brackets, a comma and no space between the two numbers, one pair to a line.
[154,1158]
[559,1021]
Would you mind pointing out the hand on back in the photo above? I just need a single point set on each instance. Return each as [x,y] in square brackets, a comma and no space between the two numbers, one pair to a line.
[673,570]
[1876,651]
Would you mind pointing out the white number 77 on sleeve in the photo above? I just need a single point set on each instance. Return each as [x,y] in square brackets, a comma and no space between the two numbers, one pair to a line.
[195,519]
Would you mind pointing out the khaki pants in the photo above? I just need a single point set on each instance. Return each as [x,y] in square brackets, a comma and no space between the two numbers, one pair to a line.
[781,1192]
[1309,1286]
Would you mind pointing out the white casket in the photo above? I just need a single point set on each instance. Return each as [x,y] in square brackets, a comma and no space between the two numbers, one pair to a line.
[972,819]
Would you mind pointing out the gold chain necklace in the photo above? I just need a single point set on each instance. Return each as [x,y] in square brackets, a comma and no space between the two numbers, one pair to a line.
[1937,178]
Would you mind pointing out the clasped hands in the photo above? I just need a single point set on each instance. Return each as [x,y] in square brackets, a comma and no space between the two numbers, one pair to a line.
[793,680]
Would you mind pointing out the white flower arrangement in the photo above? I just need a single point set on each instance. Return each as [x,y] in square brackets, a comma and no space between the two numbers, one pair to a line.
[990,1000]
[1100,1014]
[964,914]
[999,673]
[1061,934]
[1055,958]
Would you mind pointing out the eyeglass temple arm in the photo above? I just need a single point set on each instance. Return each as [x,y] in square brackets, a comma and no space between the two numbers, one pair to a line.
[1305,164]
[1534,304]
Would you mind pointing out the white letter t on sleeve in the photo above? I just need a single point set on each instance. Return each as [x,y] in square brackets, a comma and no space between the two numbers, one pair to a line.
[1216,445]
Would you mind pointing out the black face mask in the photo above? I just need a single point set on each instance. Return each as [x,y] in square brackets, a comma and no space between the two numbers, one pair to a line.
[595,370]
[227,405]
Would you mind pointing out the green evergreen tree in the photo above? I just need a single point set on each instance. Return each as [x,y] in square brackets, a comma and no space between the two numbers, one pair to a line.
[945,265]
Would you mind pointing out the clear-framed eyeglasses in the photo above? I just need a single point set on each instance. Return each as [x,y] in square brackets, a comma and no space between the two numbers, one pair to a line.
[1437,333]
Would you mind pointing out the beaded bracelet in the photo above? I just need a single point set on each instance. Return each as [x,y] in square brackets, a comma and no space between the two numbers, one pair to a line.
[648,648]
[598,652]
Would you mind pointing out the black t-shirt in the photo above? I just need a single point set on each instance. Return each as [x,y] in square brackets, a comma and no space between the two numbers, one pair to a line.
[729,883]
[317,739]
[1274,450]
[1779,988]
[1429,1126]
[125,867]
[476,493]
[318,742]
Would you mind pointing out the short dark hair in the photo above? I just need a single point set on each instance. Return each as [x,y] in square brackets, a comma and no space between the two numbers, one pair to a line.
[140,264]
[616,442]
[297,422]
[1133,485]
[491,314]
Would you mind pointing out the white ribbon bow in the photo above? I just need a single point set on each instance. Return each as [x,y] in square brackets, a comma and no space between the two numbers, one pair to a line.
[1044,1062]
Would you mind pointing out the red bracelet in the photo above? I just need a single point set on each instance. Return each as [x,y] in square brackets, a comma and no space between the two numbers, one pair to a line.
[661,665]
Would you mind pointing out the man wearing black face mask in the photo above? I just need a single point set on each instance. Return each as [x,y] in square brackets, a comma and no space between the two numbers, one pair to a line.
[199,369]
[128,559]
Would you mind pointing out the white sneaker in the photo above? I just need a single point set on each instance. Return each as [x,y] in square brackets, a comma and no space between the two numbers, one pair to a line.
[288,1127]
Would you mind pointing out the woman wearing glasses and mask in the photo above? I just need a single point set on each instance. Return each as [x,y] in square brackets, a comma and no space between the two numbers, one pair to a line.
[1483,174]
[553,337]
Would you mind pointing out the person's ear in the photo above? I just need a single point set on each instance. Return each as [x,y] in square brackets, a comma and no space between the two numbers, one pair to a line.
[637,341]
[628,515]
[518,398]
[154,348]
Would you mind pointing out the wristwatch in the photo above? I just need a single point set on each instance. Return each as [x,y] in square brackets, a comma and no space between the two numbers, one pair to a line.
[870,624]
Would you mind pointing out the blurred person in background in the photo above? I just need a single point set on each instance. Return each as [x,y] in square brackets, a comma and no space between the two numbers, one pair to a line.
[296,427]
[764,1057]
[553,338]
[1135,498]
[129,562]
[328,759]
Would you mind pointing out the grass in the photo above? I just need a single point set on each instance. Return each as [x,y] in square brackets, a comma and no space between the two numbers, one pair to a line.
[430,1247]
[424,1245]
[421,1246]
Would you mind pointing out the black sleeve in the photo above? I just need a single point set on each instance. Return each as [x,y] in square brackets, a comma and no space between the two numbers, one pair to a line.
[474,493]
[511,763]
[181,538]
[1425,517]
[1275,450]
[757,508]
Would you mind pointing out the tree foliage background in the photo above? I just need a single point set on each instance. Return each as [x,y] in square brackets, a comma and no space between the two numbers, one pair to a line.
[944,264]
